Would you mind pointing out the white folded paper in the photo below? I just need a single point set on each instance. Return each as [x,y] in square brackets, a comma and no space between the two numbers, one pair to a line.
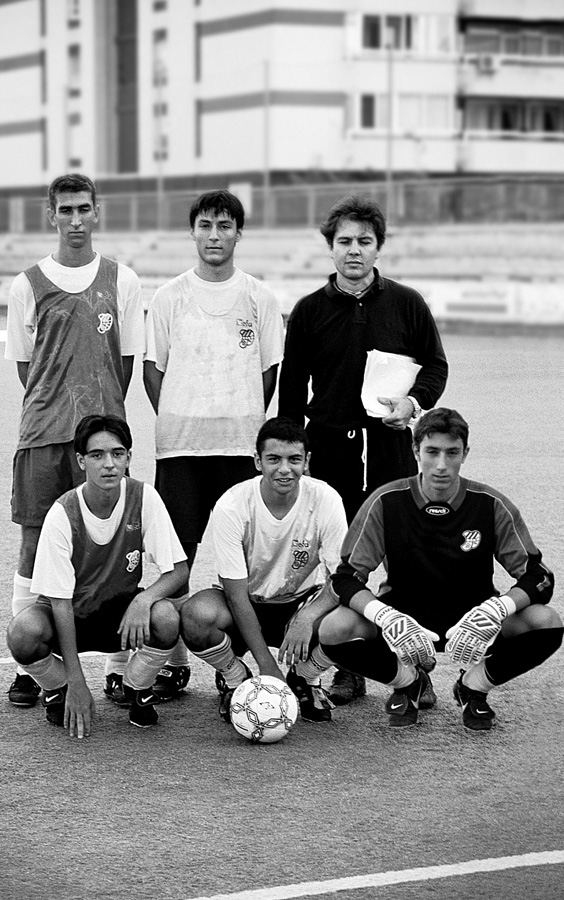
[386,375]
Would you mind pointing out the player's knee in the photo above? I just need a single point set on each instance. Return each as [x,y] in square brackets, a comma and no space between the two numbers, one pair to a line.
[165,623]
[341,625]
[534,618]
[27,632]
[201,614]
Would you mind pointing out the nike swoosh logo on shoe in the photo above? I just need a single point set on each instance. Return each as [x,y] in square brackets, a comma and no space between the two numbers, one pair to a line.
[53,698]
[144,701]
[396,706]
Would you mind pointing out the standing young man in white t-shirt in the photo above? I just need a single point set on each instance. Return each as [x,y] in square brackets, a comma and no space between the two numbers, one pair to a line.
[75,322]
[277,538]
[214,341]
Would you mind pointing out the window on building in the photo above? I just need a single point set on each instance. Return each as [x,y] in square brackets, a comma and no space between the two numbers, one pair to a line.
[161,147]
[379,32]
[511,43]
[74,68]
[532,44]
[555,45]
[424,112]
[160,71]
[367,111]
[73,13]
[160,109]
[371,32]
[374,111]
[159,5]
[514,116]
[482,41]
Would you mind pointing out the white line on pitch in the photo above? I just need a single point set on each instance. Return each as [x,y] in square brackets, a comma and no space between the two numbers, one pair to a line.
[380,879]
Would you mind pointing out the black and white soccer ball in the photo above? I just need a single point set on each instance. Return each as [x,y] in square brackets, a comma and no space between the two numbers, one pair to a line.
[263,709]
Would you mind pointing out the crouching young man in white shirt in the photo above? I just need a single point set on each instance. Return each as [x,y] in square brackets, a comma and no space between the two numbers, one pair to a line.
[277,538]
[87,573]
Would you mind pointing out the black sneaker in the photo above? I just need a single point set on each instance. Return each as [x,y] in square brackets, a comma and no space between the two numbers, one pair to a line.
[113,689]
[403,705]
[477,715]
[54,705]
[315,705]
[23,691]
[142,704]
[428,698]
[346,687]
[171,682]
[226,693]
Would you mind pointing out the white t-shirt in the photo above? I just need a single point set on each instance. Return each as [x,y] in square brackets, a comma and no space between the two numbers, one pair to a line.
[213,341]
[280,557]
[53,572]
[22,317]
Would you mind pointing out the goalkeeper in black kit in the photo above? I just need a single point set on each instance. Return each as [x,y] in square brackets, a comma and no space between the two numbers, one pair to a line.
[437,535]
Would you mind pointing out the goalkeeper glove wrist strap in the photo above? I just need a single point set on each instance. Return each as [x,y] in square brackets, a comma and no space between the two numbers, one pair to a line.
[505,603]
[374,609]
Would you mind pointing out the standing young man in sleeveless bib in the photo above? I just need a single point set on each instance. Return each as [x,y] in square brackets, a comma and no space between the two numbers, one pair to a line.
[75,322]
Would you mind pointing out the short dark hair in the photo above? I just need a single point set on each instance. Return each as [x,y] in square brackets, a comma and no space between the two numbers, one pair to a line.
[90,425]
[73,184]
[281,429]
[441,421]
[359,209]
[218,202]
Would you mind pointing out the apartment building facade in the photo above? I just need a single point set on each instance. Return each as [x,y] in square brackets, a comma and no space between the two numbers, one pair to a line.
[184,92]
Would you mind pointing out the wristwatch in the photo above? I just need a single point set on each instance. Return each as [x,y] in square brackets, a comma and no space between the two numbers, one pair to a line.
[416,407]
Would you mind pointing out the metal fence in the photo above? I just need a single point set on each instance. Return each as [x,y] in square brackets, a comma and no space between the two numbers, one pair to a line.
[407,202]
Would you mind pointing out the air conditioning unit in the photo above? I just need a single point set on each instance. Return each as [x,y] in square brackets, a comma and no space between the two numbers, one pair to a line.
[488,63]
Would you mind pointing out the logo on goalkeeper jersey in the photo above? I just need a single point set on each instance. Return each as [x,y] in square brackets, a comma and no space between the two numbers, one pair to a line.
[472,539]
[432,509]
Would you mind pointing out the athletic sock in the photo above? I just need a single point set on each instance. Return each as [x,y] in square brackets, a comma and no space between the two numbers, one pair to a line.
[314,666]
[178,654]
[405,676]
[21,599]
[116,662]
[476,678]
[49,673]
[224,661]
[143,667]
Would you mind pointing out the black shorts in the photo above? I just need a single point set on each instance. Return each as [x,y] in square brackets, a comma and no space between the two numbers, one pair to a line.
[40,476]
[274,619]
[98,631]
[190,486]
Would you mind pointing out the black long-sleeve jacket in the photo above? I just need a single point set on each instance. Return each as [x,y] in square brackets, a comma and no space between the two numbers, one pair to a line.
[328,337]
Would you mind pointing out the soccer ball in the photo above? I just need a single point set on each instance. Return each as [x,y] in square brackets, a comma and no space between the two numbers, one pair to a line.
[263,709]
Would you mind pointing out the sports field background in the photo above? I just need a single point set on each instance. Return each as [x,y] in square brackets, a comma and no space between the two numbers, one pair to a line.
[191,810]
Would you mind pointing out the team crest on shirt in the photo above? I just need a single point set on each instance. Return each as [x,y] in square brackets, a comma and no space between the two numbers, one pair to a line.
[300,553]
[105,320]
[133,526]
[247,333]
[472,539]
[133,560]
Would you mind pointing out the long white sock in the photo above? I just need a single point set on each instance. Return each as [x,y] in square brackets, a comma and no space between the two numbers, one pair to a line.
[476,679]
[405,676]
[21,599]
[143,667]
[315,665]
[178,654]
[116,662]
[49,673]
[224,660]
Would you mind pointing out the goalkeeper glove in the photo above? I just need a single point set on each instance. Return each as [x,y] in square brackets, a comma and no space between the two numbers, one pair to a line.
[469,639]
[411,643]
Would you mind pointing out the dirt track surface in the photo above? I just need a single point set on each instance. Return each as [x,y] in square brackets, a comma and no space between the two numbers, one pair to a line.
[189,809]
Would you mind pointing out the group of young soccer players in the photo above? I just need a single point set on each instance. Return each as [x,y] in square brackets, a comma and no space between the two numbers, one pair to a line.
[293,564]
